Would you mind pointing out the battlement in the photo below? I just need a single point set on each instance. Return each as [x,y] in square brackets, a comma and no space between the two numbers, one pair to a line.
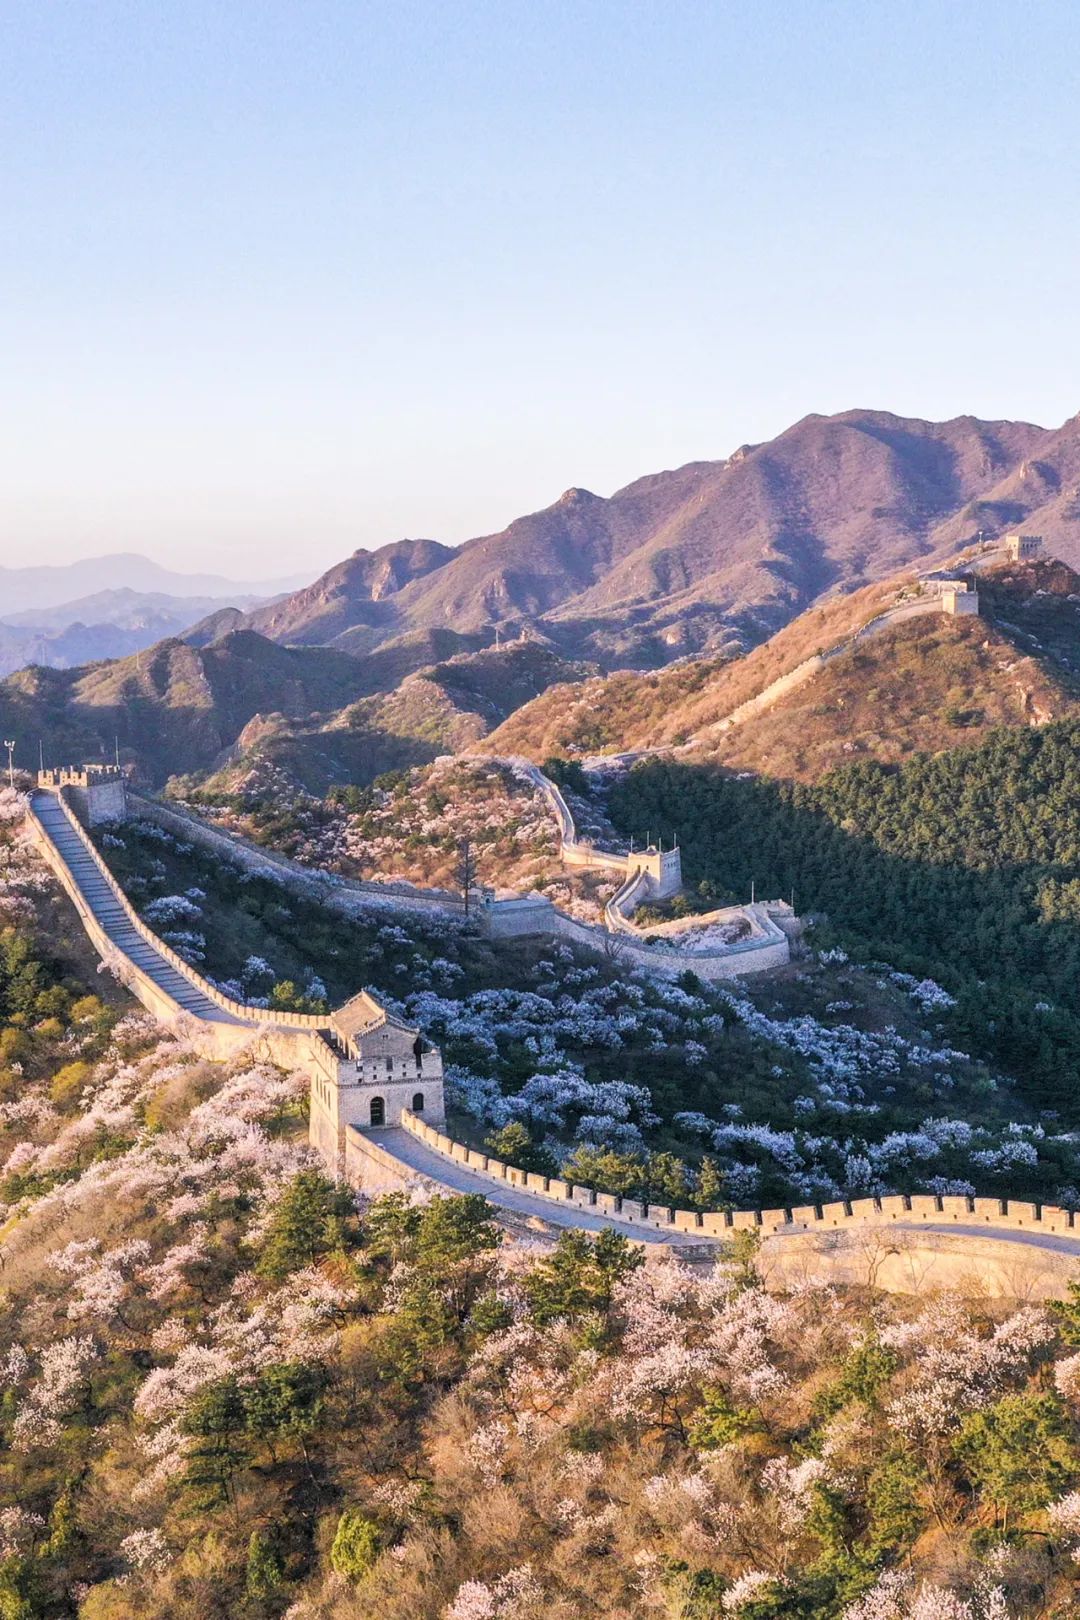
[1022,547]
[82,776]
[98,792]
[663,868]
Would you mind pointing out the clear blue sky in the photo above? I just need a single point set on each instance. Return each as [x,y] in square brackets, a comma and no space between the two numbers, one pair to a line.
[284,278]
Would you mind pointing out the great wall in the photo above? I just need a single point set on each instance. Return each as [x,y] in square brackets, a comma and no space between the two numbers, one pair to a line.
[376,1112]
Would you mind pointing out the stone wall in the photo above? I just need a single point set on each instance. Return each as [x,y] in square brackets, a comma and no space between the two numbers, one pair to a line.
[372,1170]
[348,895]
[907,1244]
[523,918]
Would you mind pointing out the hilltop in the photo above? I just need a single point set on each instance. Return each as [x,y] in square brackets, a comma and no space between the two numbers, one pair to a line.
[236,704]
[925,684]
[715,555]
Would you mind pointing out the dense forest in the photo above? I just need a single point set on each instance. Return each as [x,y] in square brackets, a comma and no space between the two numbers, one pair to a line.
[964,866]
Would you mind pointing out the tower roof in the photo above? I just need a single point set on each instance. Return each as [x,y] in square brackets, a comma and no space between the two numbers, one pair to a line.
[362,1014]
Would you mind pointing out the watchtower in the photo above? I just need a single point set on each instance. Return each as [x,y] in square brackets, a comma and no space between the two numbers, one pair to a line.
[384,1065]
[97,792]
[663,867]
[1022,547]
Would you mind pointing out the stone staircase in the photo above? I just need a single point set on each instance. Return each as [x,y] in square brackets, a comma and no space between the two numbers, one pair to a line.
[114,921]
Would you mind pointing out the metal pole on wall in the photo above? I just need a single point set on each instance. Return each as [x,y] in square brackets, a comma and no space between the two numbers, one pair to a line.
[9,744]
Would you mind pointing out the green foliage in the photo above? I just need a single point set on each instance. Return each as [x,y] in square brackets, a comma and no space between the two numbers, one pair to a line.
[215,1420]
[865,1373]
[1019,1452]
[285,997]
[623,1174]
[285,1402]
[719,1422]
[443,1254]
[356,1545]
[960,867]
[895,1516]
[451,1230]
[262,1578]
[312,1218]
[693,1594]
[580,1274]
[1067,1312]
[567,773]
[514,1145]
[68,1082]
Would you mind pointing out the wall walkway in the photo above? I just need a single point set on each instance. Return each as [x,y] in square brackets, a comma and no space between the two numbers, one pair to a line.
[905,1244]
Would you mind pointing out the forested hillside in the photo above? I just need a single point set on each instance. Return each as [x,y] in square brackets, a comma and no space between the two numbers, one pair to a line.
[965,866]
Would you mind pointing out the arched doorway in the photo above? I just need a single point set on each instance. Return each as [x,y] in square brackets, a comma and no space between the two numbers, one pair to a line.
[418,1103]
[378,1111]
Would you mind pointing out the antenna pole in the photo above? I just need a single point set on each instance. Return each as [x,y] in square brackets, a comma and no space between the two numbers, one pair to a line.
[9,744]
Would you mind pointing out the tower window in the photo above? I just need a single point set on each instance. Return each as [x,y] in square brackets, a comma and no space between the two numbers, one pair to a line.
[418,1103]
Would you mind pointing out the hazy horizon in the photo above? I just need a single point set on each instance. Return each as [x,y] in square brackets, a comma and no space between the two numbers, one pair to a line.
[279,286]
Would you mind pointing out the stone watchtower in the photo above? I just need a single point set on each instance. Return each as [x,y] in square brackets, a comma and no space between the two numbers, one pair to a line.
[1022,547]
[662,867]
[384,1066]
[97,792]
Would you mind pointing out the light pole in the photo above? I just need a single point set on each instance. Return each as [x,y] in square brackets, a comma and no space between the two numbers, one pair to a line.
[9,744]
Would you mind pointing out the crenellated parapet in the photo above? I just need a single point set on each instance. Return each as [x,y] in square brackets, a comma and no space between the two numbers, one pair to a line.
[98,792]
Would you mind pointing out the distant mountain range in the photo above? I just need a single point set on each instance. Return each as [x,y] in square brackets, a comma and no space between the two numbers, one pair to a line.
[392,656]
[110,624]
[49,586]
[134,603]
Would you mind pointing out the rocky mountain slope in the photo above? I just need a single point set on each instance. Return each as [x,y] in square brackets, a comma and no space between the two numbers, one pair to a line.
[714,554]
[446,708]
[927,684]
[241,703]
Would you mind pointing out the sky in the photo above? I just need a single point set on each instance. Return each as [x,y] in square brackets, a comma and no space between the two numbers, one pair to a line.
[284,279]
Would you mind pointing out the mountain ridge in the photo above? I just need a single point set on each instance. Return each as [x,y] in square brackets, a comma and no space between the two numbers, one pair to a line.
[718,554]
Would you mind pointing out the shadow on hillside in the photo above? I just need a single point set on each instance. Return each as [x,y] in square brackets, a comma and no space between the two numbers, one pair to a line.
[964,868]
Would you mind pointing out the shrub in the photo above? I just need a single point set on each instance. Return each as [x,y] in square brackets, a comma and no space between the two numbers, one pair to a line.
[356,1545]
[310,1220]
[68,1083]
